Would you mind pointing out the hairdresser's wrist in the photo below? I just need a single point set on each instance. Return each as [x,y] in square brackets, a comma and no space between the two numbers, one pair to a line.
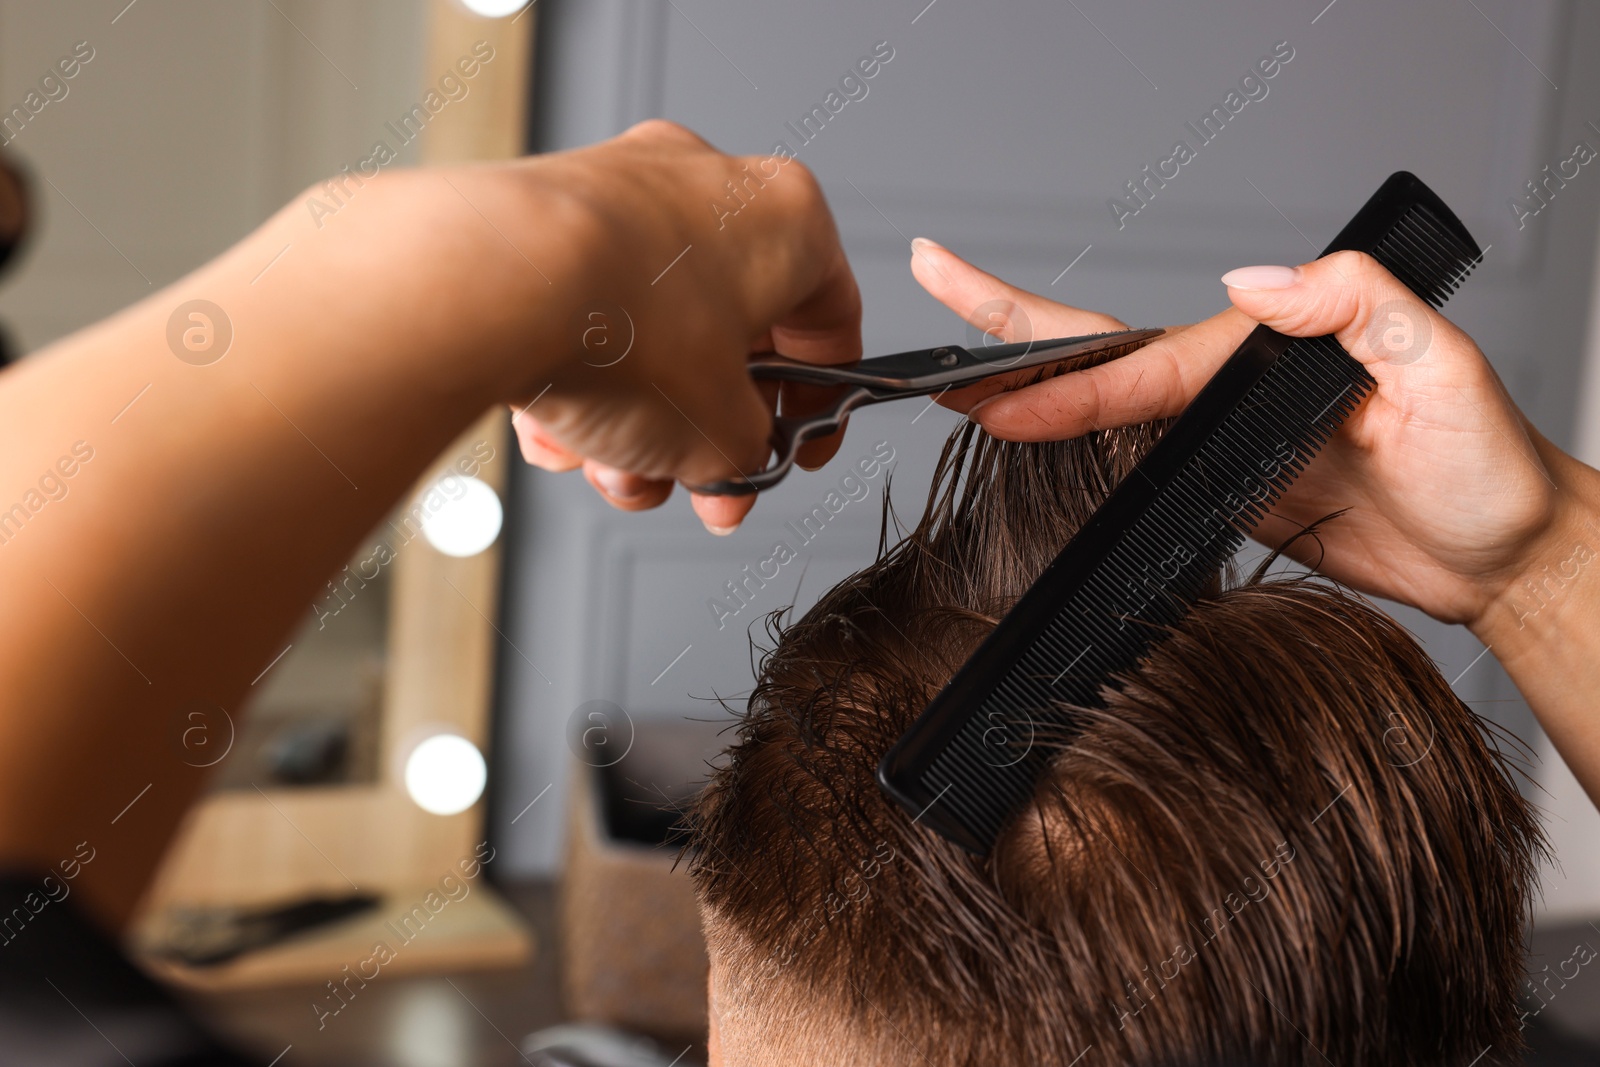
[1544,625]
[1548,601]
[503,258]
[439,284]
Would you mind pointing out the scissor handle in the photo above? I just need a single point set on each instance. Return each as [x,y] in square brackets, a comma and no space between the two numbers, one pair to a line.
[789,432]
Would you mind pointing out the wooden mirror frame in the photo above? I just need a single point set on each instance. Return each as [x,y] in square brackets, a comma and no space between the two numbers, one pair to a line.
[262,846]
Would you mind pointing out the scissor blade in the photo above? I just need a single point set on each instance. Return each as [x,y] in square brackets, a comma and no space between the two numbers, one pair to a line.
[928,370]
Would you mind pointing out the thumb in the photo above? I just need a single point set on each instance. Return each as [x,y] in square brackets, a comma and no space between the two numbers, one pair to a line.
[1380,322]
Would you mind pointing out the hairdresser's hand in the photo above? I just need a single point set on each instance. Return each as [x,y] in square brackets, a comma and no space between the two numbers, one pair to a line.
[367,326]
[694,291]
[1452,495]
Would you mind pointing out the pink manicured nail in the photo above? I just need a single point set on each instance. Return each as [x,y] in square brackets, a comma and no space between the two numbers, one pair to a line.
[922,244]
[720,531]
[1261,277]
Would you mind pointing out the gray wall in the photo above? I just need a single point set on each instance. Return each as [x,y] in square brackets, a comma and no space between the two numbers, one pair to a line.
[1003,131]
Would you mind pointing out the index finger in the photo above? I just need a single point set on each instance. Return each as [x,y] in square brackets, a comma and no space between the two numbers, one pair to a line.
[1154,382]
[999,310]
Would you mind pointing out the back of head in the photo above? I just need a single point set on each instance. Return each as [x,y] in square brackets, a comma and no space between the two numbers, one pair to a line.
[1282,839]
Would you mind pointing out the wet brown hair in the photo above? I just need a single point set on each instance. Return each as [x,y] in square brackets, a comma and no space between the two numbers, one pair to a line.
[1282,840]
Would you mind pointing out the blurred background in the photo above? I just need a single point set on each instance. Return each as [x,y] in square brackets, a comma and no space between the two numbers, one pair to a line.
[588,655]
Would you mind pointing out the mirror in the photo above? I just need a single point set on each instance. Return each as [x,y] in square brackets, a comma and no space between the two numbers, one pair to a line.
[316,719]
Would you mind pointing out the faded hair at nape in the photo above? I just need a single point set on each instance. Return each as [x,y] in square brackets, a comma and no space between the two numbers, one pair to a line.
[1282,838]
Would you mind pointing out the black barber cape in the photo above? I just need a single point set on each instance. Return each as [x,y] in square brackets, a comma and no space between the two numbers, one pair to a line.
[69,998]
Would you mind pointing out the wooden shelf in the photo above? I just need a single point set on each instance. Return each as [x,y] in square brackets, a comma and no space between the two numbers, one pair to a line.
[480,931]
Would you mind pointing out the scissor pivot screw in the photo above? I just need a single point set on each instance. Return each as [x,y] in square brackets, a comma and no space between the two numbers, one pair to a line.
[946,357]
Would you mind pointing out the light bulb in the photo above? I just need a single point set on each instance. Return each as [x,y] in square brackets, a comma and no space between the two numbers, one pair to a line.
[445,774]
[461,516]
[494,9]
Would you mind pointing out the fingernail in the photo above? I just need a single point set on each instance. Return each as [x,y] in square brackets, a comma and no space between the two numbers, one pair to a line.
[618,484]
[972,412]
[1261,277]
[922,244]
[720,531]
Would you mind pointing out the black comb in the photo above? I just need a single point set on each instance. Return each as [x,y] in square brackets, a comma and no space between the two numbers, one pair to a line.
[969,761]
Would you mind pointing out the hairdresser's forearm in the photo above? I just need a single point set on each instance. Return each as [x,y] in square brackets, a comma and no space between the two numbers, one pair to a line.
[218,498]
[1545,625]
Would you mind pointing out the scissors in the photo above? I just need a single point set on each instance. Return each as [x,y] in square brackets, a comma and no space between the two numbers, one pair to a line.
[904,374]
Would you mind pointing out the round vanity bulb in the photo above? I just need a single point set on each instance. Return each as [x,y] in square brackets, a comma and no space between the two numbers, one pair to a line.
[468,519]
[494,9]
[445,774]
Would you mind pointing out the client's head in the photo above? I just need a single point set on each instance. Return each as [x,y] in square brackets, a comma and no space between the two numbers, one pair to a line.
[1282,839]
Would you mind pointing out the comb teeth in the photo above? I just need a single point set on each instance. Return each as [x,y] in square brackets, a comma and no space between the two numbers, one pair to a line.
[1427,255]
[973,757]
